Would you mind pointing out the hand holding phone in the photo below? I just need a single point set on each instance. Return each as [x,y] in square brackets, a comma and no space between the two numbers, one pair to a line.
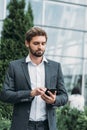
[51,90]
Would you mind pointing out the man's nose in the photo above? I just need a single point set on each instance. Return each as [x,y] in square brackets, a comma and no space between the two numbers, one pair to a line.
[40,45]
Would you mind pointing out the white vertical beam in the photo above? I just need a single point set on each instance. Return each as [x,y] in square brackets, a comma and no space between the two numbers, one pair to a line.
[43,13]
[2,9]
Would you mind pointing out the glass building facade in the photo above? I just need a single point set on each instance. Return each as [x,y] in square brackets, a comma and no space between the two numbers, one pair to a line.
[65,22]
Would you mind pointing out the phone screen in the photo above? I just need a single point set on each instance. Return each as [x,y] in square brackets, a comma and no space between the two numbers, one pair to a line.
[51,90]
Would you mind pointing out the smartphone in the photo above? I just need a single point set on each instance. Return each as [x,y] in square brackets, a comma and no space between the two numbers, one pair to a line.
[51,90]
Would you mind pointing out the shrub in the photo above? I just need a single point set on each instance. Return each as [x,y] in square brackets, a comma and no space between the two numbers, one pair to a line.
[71,119]
[4,122]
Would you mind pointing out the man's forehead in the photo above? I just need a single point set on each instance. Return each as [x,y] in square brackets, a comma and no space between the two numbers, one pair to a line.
[39,38]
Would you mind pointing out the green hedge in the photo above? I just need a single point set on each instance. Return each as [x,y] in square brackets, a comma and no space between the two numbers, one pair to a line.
[71,119]
[4,124]
[67,119]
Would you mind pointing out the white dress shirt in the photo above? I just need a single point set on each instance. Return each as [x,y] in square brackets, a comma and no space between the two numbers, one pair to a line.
[37,78]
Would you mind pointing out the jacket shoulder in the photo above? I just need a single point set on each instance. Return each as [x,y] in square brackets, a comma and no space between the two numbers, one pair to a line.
[53,62]
[17,61]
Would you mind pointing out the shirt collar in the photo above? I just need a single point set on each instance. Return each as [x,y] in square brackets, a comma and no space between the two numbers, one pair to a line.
[29,60]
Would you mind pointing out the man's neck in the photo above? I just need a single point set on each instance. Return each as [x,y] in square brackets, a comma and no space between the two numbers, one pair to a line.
[36,60]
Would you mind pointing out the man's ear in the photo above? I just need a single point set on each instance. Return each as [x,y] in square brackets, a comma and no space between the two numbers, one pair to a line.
[27,44]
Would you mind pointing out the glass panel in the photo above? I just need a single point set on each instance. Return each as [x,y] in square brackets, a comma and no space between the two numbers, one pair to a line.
[62,44]
[72,81]
[64,15]
[37,7]
[2,9]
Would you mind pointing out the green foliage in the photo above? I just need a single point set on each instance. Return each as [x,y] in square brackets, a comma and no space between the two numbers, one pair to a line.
[71,119]
[5,111]
[5,124]
[12,47]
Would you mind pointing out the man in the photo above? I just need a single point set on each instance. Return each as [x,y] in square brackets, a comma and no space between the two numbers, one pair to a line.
[26,82]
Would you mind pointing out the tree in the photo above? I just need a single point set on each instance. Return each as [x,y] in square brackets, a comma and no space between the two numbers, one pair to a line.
[15,25]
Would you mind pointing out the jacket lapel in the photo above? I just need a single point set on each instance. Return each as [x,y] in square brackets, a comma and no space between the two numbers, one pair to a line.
[47,74]
[25,70]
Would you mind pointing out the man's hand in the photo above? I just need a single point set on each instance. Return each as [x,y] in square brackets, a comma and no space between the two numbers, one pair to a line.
[49,99]
[37,91]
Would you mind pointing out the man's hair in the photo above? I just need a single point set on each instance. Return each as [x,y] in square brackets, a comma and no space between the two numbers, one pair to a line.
[35,31]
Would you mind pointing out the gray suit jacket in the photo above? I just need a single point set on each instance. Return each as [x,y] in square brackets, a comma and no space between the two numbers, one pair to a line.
[17,87]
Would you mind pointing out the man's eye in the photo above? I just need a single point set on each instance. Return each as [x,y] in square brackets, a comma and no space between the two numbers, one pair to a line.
[43,43]
[36,43]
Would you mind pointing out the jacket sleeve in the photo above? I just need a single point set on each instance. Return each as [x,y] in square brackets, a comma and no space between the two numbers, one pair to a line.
[62,96]
[9,94]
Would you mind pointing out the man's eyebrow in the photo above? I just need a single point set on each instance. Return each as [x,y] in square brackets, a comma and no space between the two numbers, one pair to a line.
[39,42]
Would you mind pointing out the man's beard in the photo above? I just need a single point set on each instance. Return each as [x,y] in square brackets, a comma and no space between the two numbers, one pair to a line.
[37,53]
